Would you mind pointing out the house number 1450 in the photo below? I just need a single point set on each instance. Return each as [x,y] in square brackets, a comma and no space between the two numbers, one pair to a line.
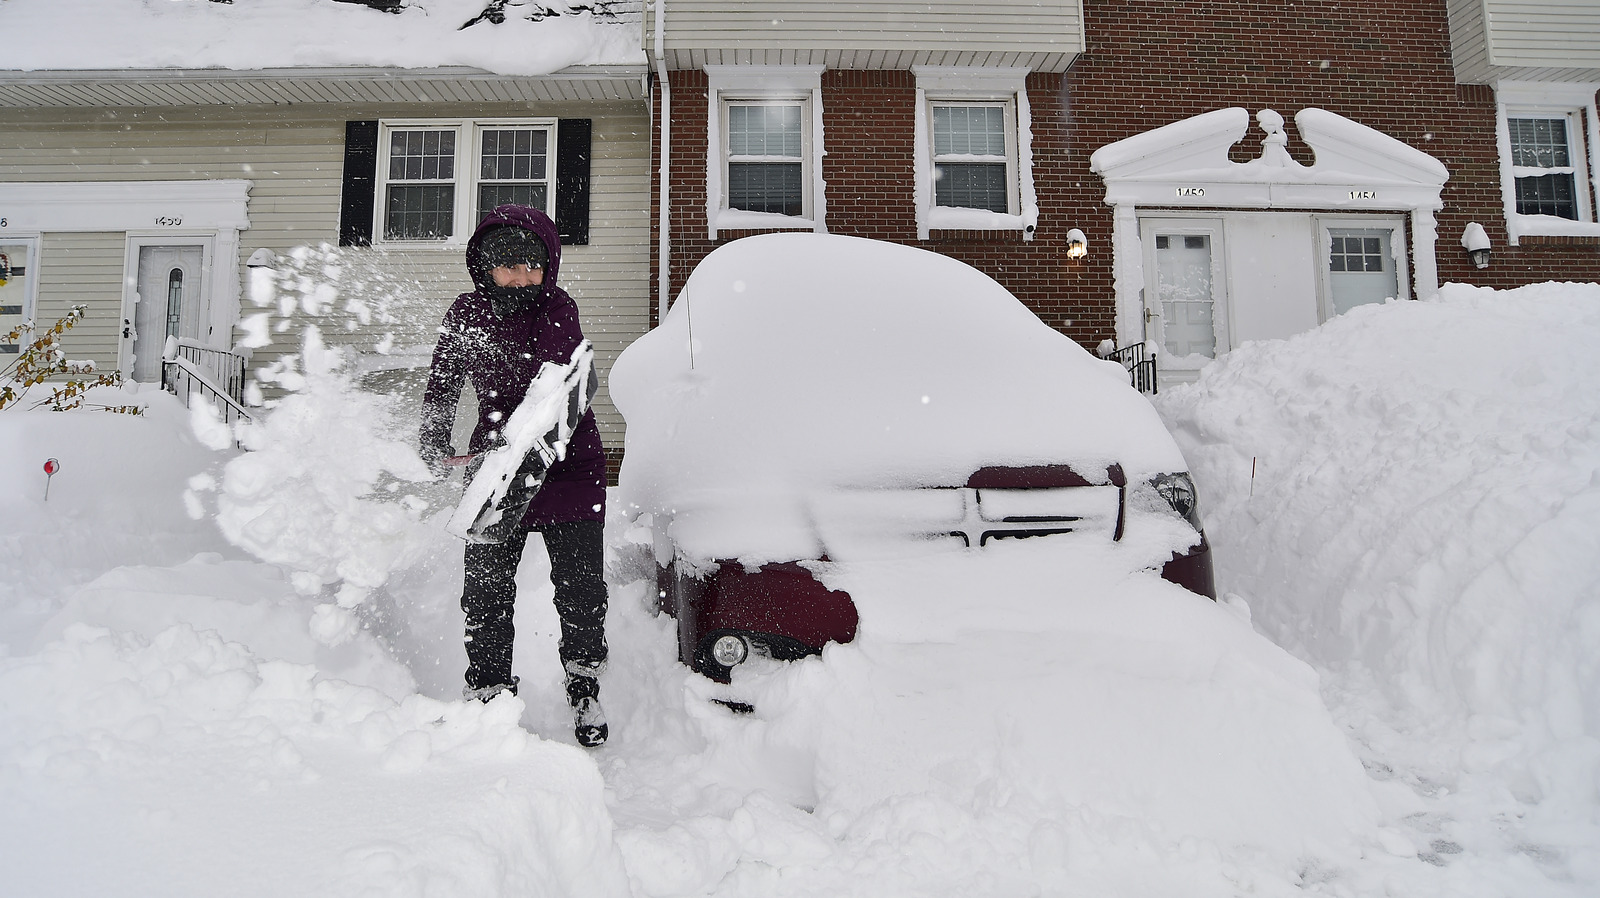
[168,221]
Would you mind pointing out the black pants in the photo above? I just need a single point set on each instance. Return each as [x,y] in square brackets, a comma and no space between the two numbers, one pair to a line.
[577,571]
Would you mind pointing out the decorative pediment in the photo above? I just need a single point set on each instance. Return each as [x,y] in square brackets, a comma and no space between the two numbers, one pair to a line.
[1186,164]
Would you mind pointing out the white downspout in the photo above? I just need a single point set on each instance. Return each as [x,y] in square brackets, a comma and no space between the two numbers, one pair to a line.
[663,274]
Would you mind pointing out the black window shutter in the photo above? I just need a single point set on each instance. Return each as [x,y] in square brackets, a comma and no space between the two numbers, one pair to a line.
[573,142]
[360,180]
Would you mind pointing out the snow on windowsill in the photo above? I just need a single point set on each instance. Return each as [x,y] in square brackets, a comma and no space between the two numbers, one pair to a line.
[946,218]
[743,220]
[1518,226]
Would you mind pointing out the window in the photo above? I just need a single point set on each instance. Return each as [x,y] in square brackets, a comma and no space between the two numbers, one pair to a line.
[765,134]
[766,157]
[437,180]
[1541,159]
[1547,132]
[971,159]
[974,159]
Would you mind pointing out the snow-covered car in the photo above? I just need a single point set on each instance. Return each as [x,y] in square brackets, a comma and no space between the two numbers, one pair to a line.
[814,400]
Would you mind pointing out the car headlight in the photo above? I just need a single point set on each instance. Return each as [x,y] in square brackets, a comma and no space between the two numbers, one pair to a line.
[1177,490]
[730,650]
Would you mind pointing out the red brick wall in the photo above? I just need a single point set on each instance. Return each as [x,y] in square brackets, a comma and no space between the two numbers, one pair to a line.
[1148,65]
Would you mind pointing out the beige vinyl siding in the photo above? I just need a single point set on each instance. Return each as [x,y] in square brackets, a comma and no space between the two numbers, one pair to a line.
[870,34]
[1556,33]
[1468,41]
[1516,40]
[295,158]
[83,268]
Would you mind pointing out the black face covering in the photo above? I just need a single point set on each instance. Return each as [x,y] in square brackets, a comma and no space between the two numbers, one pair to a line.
[509,300]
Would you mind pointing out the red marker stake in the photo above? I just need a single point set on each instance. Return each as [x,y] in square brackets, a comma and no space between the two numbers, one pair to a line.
[51,466]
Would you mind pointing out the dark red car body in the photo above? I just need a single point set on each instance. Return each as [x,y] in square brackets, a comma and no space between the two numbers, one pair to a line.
[782,611]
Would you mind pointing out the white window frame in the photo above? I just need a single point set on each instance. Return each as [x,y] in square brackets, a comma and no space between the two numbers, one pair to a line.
[1576,104]
[941,85]
[764,84]
[468,161]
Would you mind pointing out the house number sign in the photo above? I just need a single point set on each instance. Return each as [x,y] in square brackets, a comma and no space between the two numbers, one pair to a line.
[1191,191]
[168,221]
[1363,194]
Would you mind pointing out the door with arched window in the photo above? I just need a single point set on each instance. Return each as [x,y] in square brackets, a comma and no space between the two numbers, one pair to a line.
[170,303]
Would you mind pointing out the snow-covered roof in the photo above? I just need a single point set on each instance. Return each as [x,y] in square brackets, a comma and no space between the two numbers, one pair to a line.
[59,52]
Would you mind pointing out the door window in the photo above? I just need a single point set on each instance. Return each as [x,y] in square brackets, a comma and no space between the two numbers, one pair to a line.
[1184,294]
[1361,268]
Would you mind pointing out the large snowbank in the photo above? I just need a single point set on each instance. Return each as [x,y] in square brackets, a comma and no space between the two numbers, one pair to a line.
[1409,499]
[171,722]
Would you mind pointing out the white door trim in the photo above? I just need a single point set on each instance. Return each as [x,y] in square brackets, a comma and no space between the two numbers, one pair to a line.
[1212,226]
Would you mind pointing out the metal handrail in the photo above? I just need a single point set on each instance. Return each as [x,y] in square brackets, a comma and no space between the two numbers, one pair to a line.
[217,374]
[1141,365]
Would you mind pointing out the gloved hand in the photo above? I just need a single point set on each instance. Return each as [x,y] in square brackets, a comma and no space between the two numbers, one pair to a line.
[434,455]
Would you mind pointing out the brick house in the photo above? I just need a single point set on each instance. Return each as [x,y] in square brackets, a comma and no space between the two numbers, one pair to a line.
[1167,136]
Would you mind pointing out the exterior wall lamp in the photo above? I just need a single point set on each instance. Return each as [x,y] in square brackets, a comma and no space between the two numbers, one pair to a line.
[1077,244]
[1476,242]
[262,258]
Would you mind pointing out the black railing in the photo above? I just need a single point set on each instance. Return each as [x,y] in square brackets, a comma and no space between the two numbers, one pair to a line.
[1141,365]
[217,375]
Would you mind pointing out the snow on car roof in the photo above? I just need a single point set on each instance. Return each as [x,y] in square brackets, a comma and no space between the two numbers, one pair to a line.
[796,362]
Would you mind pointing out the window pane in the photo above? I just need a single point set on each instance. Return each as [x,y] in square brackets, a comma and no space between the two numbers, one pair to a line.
[520,153]
[417,155]
[768,130]
[765,187]
[969,131]
[1547,195]
[1352,253]
[979,185]
[423,212]
[1539,143]
[1183,287]
[491,195]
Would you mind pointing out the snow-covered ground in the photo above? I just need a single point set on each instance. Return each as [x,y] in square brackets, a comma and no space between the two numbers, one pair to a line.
[227,672]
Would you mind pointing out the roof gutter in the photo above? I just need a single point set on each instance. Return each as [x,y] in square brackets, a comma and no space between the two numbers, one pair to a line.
[664,131]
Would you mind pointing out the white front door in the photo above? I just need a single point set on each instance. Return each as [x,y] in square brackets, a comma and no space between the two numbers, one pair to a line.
[1185,291]
[170,303]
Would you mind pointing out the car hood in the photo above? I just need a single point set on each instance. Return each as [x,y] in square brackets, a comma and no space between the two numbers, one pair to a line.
[793,364]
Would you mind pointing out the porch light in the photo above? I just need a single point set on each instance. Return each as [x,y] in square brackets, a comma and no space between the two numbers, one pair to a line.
[1077,244]
[262,258]
[1476,242]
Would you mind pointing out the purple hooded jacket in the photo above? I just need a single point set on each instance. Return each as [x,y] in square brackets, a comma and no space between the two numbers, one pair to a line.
[501,354]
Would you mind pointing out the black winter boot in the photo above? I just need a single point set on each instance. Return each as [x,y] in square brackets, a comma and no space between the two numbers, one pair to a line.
[583,694]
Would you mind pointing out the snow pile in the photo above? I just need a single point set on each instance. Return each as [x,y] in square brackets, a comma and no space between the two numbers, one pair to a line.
[1409,499]
[184,764]
[117,500]
[269,34]
[1017,720]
